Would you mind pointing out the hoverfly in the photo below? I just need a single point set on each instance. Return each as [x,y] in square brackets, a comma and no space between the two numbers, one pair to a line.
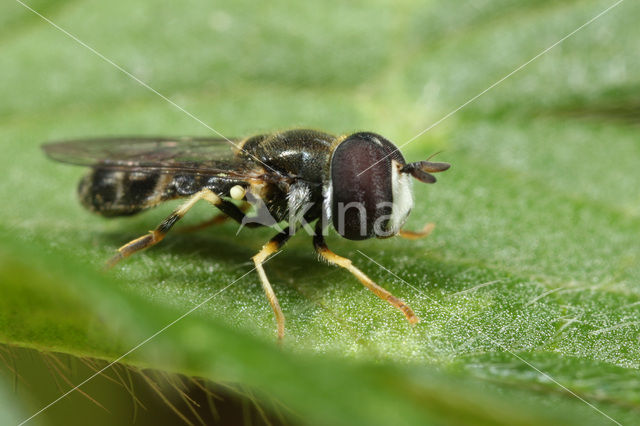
[359,184]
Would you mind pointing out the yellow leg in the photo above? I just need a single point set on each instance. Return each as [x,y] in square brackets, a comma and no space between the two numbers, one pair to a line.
[267,250]
[334,259]
[415,235]
[155,236]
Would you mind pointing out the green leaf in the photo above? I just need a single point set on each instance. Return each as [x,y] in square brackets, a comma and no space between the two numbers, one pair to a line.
[527,290]
[9,413]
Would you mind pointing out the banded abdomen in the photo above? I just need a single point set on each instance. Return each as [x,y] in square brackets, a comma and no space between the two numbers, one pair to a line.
[118,193]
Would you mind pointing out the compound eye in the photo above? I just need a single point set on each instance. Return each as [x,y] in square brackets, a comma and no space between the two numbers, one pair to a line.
[362,187]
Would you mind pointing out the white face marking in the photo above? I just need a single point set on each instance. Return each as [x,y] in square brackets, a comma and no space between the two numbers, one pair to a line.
[401,185]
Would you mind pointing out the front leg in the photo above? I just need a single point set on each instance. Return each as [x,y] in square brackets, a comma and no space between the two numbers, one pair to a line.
[416,235]
[321,248]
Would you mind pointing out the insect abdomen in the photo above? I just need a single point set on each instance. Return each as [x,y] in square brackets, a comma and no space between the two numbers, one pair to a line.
[118,193]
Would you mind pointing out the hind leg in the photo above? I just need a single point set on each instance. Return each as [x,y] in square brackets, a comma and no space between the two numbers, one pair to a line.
[155,236]
[216,220]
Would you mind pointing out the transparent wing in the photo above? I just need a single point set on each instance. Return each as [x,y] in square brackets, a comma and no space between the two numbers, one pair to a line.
[203,156]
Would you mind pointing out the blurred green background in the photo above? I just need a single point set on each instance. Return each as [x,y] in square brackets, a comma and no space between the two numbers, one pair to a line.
[528,290]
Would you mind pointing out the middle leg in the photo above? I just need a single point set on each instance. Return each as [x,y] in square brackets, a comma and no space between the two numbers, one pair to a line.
[267,250]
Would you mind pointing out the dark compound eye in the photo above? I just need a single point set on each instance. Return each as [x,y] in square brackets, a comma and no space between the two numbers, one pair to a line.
[361,176]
